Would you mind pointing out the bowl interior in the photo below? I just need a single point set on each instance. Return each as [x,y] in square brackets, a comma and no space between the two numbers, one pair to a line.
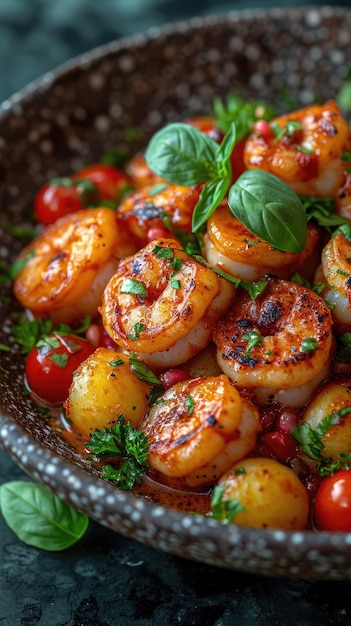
[94,104]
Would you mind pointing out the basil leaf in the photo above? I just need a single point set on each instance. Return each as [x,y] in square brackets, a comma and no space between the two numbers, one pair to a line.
[183,155]
[269,209]
[39,518]
[226,147]
[211,195]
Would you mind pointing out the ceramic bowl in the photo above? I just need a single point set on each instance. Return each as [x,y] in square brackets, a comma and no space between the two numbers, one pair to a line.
[74,115]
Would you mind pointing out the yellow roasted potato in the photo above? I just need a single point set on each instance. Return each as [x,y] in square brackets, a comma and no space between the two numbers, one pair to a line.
[270,492]
[333,401]
[104,386]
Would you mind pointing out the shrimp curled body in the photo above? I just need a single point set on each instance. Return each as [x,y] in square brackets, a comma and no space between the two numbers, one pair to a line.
[155,206]
[201,427]
[175,309]
[304,149]
[67,267]
[336,266]
[291,331]
[234,249]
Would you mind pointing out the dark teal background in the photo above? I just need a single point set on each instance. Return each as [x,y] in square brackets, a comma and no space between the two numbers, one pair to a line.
[38,35]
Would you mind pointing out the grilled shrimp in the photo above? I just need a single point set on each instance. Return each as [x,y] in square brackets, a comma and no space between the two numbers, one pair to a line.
[140,173]
[343,198]
[67,267]
[280,341]
[164,206]
[163,305]
[303,148]
[336,266]
[233,248]
[201,427]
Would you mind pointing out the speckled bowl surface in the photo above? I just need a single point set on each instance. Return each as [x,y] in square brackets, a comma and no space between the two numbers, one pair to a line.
[74,115]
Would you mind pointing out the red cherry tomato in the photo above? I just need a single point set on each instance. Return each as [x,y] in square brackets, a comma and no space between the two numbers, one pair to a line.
[50,365]
[56,200]
[86,188]
[332,506]
[110,181]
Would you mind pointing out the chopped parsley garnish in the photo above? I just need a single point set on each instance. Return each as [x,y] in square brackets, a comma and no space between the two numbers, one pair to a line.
[127,446]
[310,441]
[253,338]
[309,345]
[27,333]
[343,351]
[190,404]
[142,371]
[135,287]
[224,510]
[138,328]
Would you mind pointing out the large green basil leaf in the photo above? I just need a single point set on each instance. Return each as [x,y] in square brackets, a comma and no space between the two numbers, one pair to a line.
[182,154]
[270,209]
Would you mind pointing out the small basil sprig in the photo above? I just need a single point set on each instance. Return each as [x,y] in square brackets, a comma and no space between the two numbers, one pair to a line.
[244,113]
[39,518]
[182,154]
[270,209]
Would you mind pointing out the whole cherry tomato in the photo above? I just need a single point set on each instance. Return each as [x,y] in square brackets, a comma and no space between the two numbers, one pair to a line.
[88,187]
[63,196]
[111,182]
[50,365]
[332,506]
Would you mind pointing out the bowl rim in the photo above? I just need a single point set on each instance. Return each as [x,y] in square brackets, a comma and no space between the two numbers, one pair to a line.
[86,59]
[12,435]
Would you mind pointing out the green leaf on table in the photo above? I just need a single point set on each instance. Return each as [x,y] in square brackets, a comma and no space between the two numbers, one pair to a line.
[39,518]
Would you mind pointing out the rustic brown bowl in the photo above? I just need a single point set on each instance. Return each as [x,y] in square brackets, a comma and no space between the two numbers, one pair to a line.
[75,114]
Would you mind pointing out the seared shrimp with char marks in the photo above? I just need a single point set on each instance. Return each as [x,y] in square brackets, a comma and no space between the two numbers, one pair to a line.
[163,305]
[140,173]
[67,267]
[234,249]
[280,341]
[304,148]
[201,427]
[164,206]
[336,269]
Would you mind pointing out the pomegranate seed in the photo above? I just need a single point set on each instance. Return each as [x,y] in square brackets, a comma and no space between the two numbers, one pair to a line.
[312,483]
[261,127]
[93,334]
[106,341]
[281,445]
[268,418]
[171,377]
[156,233]
[287,420]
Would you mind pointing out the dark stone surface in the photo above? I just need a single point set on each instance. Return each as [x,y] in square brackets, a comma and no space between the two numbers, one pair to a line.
[106,579]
